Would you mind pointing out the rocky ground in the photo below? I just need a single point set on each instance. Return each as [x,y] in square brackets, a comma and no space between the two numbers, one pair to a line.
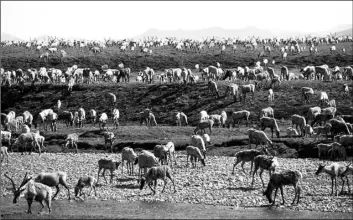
[213,184]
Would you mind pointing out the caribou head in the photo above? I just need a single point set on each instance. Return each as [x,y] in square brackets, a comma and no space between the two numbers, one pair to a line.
[17,191]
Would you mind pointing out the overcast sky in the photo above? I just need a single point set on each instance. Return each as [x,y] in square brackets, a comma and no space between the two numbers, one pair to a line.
[96,20]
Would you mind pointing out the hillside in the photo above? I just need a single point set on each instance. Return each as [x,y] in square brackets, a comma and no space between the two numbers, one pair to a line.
[341,29]
[9,37]
[165,100]
[209,32]
[345,32]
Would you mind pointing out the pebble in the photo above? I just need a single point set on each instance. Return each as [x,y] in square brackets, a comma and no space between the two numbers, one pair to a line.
[214,186]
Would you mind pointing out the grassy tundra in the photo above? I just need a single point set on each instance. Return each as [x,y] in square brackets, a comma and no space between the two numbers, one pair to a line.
[168,57]
[166,99]
[213,184]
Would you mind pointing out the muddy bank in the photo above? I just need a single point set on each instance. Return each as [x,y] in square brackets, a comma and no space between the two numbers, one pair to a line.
[156,210]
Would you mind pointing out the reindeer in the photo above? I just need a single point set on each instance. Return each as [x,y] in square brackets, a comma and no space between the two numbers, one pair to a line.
[335,170]
[4,153]
[85,181]
[107,165]
[44,55]
[278,180]
[53,179]
[349,171]
[35,191]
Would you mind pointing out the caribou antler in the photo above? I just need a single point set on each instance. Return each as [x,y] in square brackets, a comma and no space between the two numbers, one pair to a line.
[13,183]
[25,180]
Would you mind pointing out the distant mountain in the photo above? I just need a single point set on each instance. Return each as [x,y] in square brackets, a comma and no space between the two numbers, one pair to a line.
[241,33]
[9,37]
[335,29]
[45,37]
[340,27]
[208,32]
[285,33]
[40,37]
[344,32]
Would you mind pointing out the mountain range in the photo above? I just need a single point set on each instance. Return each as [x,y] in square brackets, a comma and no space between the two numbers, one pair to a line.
[5,36]
[242,33]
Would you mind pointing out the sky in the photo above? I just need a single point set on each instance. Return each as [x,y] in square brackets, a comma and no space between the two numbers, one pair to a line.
[121,19]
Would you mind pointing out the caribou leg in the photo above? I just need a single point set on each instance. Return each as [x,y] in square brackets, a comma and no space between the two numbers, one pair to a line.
[57,191]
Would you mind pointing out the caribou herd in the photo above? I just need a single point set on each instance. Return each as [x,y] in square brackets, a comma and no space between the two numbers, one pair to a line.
[53,46]
[260,74]
[323,119]
[145,45]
